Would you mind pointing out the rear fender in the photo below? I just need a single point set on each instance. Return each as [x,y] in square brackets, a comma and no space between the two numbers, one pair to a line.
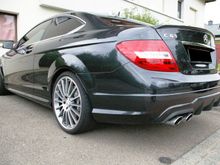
[69,62]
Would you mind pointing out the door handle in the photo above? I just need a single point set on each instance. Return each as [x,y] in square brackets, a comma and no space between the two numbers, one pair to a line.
[21,51]
[28,49]
[25,49]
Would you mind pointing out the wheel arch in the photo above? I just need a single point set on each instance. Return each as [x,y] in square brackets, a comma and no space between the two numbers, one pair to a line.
[71,63]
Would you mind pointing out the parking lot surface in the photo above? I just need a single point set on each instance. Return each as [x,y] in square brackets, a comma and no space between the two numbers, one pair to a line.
[29,135]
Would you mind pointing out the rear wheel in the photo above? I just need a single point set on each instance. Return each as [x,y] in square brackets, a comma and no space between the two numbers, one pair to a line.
[71,105]
[3,90]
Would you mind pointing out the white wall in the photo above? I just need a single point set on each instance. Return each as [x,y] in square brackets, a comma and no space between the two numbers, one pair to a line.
[29,13]
[163,10]
[169,8]
[107,7]
[156,4]
[199,6]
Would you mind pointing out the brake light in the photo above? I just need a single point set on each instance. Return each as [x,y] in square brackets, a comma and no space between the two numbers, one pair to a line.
[149,54]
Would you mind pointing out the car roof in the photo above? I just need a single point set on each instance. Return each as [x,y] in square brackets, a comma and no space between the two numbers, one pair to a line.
[86,14]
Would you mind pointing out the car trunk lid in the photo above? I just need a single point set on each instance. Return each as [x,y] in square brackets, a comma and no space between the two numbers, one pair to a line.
[193,48]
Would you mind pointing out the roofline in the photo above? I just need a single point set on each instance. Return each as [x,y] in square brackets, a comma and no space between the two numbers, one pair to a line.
[207,1]
[212,24]
[79,13]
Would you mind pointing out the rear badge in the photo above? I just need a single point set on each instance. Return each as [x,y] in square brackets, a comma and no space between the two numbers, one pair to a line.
[170,35]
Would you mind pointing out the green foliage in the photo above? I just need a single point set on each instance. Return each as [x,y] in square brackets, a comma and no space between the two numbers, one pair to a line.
[143,16]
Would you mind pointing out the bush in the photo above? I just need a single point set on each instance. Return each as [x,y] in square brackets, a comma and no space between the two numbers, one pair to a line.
[143,16]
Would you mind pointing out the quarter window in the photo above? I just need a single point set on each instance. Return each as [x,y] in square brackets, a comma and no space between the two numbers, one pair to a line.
[62,25]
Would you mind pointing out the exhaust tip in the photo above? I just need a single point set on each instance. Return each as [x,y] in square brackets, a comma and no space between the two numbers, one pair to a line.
[175,121]
[178,120]
[189,117]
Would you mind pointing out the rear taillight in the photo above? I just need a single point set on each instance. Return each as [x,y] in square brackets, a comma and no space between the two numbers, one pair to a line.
[149,54]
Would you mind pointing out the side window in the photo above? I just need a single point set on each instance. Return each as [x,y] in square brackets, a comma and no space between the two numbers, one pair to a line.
[35,34]
[62,25]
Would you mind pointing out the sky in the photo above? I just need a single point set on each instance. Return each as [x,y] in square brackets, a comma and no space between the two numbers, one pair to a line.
[212,12]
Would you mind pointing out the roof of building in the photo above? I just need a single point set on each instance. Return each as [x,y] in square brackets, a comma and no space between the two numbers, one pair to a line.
[214,28]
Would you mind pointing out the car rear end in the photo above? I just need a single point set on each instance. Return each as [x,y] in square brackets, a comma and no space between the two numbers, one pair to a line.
[178,68]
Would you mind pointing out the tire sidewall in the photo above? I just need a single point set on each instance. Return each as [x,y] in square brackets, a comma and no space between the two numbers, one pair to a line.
[85,106]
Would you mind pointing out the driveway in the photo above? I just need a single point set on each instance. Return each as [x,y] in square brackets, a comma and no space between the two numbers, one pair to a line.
[29,135]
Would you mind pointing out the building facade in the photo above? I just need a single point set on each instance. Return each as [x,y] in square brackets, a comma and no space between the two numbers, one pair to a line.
[215,29]
[17,17]
[187,12]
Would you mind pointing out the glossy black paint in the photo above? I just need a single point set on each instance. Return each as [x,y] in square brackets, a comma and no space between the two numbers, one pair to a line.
[187,37]
[118,90]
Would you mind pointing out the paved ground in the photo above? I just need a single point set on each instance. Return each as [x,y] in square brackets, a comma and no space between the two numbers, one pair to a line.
[29,135]
[206,153]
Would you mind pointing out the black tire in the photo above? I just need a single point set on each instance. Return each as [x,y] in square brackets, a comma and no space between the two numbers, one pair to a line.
[3,90]
[63,108]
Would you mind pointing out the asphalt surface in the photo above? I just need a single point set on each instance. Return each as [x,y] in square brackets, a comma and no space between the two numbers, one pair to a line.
[206,153]
[29,135]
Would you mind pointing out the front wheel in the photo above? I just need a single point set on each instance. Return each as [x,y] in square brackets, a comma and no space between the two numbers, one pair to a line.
[71,105]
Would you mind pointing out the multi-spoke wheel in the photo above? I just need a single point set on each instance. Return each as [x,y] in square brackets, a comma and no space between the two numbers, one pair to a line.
[70,104]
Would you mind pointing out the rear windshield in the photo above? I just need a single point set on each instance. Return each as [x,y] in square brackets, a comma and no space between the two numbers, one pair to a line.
[118,22]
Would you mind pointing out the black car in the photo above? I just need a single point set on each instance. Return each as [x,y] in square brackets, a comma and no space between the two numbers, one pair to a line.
[95,68]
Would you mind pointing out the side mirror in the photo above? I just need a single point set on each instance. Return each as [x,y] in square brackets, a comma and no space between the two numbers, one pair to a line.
[8,44]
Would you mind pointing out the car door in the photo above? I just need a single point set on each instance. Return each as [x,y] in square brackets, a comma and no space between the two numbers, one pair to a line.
[18,63]
[52,39]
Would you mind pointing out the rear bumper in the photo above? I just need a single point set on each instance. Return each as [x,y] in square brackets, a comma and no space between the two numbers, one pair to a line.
[157,108]
[134,95]
[199,104]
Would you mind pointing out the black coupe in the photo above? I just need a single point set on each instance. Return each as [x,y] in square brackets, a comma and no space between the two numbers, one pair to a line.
[95,68]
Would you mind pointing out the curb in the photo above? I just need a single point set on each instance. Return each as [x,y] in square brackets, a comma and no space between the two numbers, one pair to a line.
[205,153]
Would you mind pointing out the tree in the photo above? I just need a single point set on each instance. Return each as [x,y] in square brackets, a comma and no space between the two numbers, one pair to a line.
[143,16]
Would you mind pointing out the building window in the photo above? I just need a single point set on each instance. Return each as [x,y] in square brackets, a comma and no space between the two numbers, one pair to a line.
[8,27]
[179,9]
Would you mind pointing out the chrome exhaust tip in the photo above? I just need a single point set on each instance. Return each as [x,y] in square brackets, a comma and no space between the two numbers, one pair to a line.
[175,121]
[188,117]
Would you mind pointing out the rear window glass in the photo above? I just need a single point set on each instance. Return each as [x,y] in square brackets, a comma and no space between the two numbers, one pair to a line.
[117,22]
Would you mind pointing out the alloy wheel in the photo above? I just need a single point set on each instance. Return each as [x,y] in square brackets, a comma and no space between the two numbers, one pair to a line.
[67,102]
